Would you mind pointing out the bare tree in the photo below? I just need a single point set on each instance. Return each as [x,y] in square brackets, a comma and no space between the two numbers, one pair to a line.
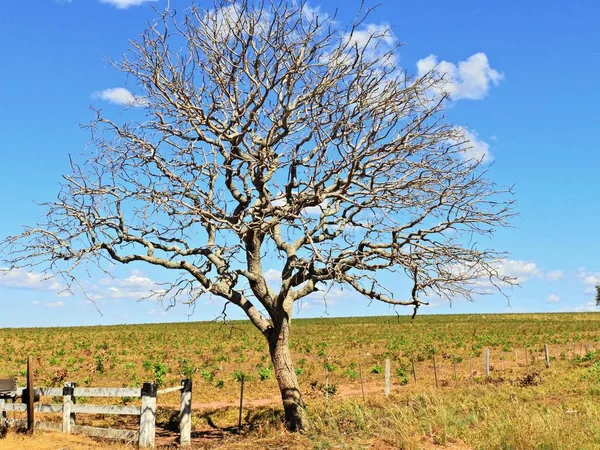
[266,131]
[598,294]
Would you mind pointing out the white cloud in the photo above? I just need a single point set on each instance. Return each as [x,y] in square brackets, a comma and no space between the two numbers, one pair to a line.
[470,79]
[273,276]
[553,298]
[592,280]
[521,270]
[22,279]
[377,42]
[124,4]
[589,280]
[35,303]
[280,200]
[475,149]
[587,307]
[554,275]
[135,287]
[119,96]
[311,13]
[54,305]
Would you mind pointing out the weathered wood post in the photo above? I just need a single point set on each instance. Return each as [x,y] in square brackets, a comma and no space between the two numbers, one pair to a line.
[148,416]
[487,362]
[414,372]
[547,355]
[326,390]
[185,414]
[435,372]
[68,402]
[241,405]
[387,378]
[3,416]
[362,384]
[471,367]
[30,396]
[454,366]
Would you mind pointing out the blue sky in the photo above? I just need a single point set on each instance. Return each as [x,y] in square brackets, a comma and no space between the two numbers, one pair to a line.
[524,83]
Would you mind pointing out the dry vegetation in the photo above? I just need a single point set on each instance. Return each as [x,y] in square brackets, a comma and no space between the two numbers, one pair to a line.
[520,407]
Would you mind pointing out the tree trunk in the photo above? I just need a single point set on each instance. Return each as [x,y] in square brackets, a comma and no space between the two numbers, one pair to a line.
[293,405]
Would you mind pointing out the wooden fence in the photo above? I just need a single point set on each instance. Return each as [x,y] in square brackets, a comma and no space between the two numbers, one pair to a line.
[69,408]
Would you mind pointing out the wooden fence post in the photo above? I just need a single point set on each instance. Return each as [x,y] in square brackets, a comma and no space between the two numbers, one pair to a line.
[362,385]
[68,416]
[412,361]
[3,416]
[454,366]
[30,396]
[148,416]
[547,355]
[326,390]
[487,362]
[241,405]
[435,372]
[185,414]
[387,378]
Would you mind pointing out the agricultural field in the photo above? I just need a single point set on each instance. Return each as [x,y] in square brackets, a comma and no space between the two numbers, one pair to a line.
[340,365]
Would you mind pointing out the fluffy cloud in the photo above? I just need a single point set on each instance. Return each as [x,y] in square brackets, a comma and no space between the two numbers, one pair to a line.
[476,149]
[553,298]
[272,276]
[554,275]
[589,280]
[470,79]
[136,286]
[21,279]
[587,307]
[54,305]
[119,96]
[377,41]
[124,4]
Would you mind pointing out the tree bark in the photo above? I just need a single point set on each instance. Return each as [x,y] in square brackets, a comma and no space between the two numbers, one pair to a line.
[293,405]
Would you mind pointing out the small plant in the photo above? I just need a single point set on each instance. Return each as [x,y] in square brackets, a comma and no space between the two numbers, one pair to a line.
[207,375]
[238,375]
[351,373]
[99,364]
[330,367]
[377,369]
[401,373]
[220,384]
[186,368]
[265,373]
[160,371]
[299,371]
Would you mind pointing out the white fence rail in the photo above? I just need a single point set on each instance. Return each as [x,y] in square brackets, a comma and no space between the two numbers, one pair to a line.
[145,436]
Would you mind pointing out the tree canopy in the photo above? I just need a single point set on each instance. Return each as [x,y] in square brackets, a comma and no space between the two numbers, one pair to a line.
[264,129]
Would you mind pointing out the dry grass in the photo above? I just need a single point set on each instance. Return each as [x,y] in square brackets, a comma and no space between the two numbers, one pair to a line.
[557,409]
